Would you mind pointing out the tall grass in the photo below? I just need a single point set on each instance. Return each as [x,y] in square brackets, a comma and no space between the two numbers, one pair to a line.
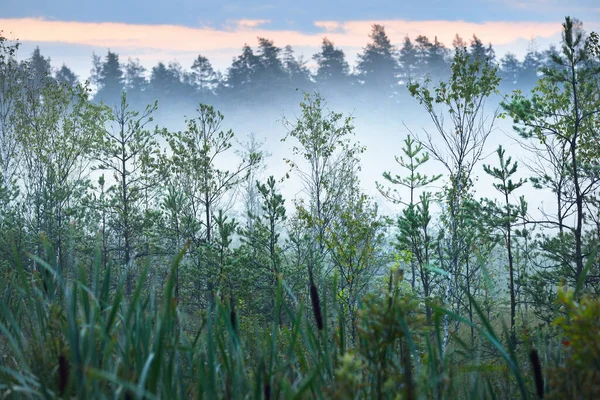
[78,338]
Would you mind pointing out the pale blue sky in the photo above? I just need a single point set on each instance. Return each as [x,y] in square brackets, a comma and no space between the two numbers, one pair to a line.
[295,14]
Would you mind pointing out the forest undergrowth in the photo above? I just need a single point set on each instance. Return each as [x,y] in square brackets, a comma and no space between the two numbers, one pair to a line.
[84,339]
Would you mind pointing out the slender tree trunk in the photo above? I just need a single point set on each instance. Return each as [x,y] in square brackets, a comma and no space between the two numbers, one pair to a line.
[59,265]
[126,232]
[579,223]
[425,277]
[211,282]
[177,248]
[207,216]
[578,195]
[511,273]
[472,328]
[453,255]
[104,239]
[427,307]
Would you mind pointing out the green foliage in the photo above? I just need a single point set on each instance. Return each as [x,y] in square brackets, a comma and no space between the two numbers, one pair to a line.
[381,365]
[506,217]
[562,116]
[472,80]
[462,96]
[578,373]
[412,149]
[354,242]
[202,188]
[503,174]
[195,152]
[91,341]
[129,151]
[593,44]
[261,255]
[328,166]
[415,236]
[56,128]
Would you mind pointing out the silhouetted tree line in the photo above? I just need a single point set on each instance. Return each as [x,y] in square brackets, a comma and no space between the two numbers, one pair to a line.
[271,73]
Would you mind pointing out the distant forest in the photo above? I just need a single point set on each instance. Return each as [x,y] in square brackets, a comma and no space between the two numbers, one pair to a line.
[270,72]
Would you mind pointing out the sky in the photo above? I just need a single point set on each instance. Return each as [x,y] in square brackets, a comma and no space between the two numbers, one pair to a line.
[69,31]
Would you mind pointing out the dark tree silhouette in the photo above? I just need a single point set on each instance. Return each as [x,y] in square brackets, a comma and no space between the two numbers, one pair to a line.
[378,67]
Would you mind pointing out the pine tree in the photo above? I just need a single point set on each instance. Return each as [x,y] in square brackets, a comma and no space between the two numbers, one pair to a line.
[333,70]
[438,65]
[423,49]
[166,81]
[510,69]
[408,57]
[109,79]
[135,81]
[182,87]
[477,49]
[458,43]
[562,112]
[67,76]
[272,72]
[297,71]
[203,75]
[506,216]
[242,74]
[377,66]
[39,68]
[128,153]
[262,251]
[532,62]
[415,236]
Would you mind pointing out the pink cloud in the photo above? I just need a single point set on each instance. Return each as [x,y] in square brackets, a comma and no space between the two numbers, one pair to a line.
[249,23]
[152,43]
[180,38]
[352,33]
[328,26]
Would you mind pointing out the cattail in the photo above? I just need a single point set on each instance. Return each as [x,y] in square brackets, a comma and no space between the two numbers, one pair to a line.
[63,374]
[314,296]
[267,389]
[390,294]
[266,383]
[537,373]
[129,394]
[232,313]
[408,376]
